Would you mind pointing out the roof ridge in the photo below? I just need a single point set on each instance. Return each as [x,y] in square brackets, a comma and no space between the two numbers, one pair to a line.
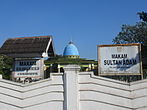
[31,37]
[27,46]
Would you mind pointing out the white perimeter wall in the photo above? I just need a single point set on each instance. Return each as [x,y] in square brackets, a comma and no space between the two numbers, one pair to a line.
[42,95]
[97,93]
[73,90]
[139,94]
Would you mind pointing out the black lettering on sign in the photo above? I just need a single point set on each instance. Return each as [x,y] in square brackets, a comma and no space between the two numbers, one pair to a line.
[119,55]
[27,73]
[120,62]
[27,63]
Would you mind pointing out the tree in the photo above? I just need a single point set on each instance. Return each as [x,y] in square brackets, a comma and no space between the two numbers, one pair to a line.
[143,16]
[133,34]
[5,66]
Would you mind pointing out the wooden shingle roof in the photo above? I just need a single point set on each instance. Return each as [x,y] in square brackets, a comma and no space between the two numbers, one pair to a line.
[28,47]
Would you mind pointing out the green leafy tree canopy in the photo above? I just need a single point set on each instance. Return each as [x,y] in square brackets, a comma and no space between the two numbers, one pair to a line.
[133,34]
[5,66]
[143,16]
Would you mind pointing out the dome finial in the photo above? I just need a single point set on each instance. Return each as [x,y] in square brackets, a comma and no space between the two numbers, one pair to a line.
[71,42]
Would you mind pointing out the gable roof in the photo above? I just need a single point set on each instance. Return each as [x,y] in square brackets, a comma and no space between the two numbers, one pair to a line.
[38,46]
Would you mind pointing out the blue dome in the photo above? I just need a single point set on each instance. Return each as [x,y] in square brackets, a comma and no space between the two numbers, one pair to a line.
[71,49]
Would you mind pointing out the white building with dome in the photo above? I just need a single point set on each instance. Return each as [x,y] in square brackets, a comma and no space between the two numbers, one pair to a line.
[70,56]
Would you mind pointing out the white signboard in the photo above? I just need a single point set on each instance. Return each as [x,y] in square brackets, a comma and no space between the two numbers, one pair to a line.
[28,68]
[119,59]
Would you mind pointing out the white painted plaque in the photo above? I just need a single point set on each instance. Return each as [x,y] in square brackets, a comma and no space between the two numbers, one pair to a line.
[119,59]
[28,68]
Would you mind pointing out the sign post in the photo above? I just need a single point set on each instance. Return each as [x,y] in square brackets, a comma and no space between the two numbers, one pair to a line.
[119,59]
[28,68]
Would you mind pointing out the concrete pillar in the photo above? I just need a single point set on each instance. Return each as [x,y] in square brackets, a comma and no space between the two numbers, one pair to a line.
[71,95]
[1,77]
[42,68]
[92,66]
[58,68]
[89,67]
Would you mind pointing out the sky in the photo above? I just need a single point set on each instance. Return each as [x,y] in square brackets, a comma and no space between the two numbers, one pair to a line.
[87,23]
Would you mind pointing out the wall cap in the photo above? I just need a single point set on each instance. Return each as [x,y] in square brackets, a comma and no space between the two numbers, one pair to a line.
[73,67]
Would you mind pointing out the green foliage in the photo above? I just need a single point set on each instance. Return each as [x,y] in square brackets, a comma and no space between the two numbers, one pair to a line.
[5,66]
[133,34]
[143,16]
[65,60]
